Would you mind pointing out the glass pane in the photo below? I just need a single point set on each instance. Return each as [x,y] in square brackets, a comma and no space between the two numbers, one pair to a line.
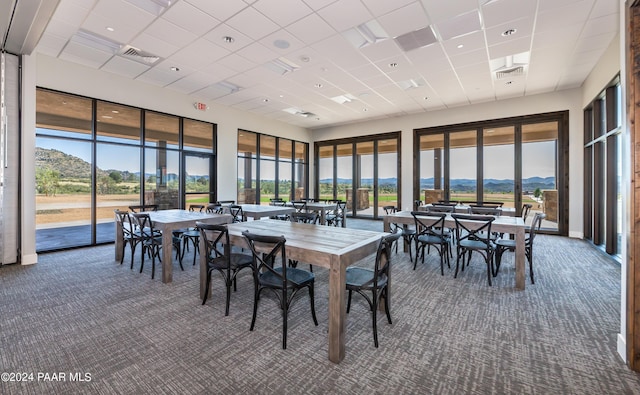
[161,170]
[499,165]
[267,180]
[63,193]
[161,130]
[59,114]
[344,162]
[196,180]
[267,147]
[285,150]
[363,195]
[117,185]
[431,167]
[300,170]
[198,136]
[301,151]
[246,180]
[462,168]
[247,144]
[284,180]
[117,123]
[619,194]
[387,173]
[325,172]
[539,168]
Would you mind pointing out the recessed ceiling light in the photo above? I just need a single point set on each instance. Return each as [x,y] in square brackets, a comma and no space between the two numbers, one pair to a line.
[318,85]
[426,98]
[281,95]
[365,109]
[107,116]
[228,39]
[115,111]
[508,83]
[282,44]
[317,119]
[509,32]
[265,100]
[174,68]
[109,28]
[460,46]
[393,64]
[305,59]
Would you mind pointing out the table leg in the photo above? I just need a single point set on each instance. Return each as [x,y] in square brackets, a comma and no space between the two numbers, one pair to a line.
[386,224]
[322,217]
[203,268]
[520,257]
[167,255]
[119,235]
[337,309]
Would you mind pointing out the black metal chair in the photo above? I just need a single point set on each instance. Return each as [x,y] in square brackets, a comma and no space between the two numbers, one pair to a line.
[220,257]
[430,231]
[364,281]
[152,241]
[408,234]
[299,205]
[473,233]
[303,218]
[236,212]
[526,209]
[508,244]
[191,235]
[279,202]
[213,208]
[143,207]
[336,217]
[130,234]
[270,272]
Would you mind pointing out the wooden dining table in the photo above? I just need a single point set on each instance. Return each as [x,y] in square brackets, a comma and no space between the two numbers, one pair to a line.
[167,221]
[464,209]
[322,208]
[502,224]
[258,211]
[330,247]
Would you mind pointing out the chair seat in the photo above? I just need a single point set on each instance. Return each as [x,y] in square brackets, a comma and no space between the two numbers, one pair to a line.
[237,261]
[299,277]
[473,245]
[431,239]
[191,233]
[362,278]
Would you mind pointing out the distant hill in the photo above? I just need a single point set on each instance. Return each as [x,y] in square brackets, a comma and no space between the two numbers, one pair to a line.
[69,166]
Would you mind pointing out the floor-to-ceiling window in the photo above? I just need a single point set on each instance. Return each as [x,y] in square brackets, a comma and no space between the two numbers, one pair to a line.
[363,171]
[93,157]
[603,169]
[514,161]
[267,165]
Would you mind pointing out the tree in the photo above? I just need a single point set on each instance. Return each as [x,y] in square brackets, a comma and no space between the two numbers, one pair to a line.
[116,176]
[47,181]
[537,193]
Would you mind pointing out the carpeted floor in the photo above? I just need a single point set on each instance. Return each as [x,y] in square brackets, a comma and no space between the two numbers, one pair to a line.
[79,311]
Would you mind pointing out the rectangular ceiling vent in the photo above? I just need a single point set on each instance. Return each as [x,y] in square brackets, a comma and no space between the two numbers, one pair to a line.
[416,39]
[133,53]
[509,72]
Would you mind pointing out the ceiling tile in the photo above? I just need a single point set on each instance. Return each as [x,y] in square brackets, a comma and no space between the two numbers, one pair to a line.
[160,76]
[199,52]
[170,33]
[557,18]
[602,8]
[501,11]
[439,10]
[221,10]
[601,25]
[381,7]
[381,50]
[523,27]
[150,44]
[511,47]
[193,82]
[311,29]
[217,35]
[190,18]
[236,62]
[459,26]
[345,14]
[404,20]
[469,58]
[93,57]
[252,23]
[318,4]
[126,20]
[124,67]
[257,53]
[283,12]
[282,42]
[469,42]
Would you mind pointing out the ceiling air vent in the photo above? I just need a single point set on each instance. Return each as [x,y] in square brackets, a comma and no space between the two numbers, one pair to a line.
[133,53]
[509,72]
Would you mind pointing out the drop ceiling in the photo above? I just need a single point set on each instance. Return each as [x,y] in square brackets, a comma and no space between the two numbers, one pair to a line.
[315,63]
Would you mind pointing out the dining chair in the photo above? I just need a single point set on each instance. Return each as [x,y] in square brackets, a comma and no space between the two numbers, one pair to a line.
[270,272]
[336,217]
[473,233]
[219,255]
[508,244]
[303,218]
[374,281]
[430,231]
[130,235]
[190,235]
[417,204]
[279,202]
[299,205]
[408,234]
[151,240]
[526,209]
[236,213]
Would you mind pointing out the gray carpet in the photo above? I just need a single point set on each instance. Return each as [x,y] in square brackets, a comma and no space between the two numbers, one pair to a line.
[80,312]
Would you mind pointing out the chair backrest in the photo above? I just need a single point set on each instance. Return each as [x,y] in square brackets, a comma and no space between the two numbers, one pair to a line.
[305,218]
[535,227]
[236,213]
[390,209]
[124,222]
[194,207]
[225,202]
[483,210]
[299,205]
[526,209]
[445,203]
[491,204]
[382,265]
[473,227]
[276,202]
[417,204]
[429,223]
[216,241]
[143,207]
[144,224]
[213,208]
[265,251]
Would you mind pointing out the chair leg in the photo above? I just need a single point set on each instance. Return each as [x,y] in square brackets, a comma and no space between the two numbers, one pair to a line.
[530,258]
[313,305]
[349,302]
[285,311]
[206,290]
[256,296]
[374,314]
[226,311]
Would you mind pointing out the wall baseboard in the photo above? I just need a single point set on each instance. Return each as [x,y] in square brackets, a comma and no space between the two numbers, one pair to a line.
[622,347]
[29,259]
